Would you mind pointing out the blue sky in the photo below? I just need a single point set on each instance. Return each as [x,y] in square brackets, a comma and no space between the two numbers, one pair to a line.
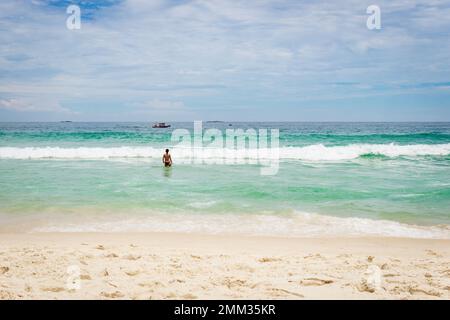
[143,60]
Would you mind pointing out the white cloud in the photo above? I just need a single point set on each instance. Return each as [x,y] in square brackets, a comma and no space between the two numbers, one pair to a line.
[160,109]
[168,54]
[161,105]
[27,105]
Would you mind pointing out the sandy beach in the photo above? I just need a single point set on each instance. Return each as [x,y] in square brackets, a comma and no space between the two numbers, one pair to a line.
[191,266]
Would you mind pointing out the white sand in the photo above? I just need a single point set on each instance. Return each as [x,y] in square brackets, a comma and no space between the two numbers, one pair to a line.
[186,266]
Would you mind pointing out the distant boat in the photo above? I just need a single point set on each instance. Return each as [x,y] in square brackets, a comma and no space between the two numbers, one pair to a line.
[65,121]
[161,125]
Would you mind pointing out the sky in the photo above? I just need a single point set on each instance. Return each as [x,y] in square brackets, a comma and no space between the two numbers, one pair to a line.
[231,60]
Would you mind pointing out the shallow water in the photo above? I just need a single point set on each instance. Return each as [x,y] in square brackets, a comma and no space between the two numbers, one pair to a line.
[333,178]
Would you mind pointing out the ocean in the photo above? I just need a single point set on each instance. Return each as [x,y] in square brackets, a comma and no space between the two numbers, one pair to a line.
[334,179]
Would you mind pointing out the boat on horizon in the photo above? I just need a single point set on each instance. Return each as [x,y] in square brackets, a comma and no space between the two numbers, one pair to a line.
[161,125]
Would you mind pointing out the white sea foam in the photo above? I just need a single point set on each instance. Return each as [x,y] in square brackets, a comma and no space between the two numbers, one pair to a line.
[202,204]
[298,224]
[317,152]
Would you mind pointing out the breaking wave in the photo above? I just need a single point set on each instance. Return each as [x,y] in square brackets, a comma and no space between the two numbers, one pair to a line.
[316,152]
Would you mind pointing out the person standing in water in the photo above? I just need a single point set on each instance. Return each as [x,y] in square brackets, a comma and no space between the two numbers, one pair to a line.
[167,159]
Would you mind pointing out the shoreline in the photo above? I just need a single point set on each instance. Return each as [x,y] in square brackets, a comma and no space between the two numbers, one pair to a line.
[196,266]
[296,224]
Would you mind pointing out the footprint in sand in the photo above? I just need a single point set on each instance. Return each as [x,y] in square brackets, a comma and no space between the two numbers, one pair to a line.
[365,286]
[280,292]
[177,281]
[4,270]
[384,266]
[414,290]
[244,267]
[112,255]
[100,247]
[131,257]
[390,275]
[132,273]
[112,295]
[171,295]
[447,272]
[315,282]
[189,296]
[53,289]
[152,284]
[433,253]
[6,295]
[267,259]
[85,277]
[232,283]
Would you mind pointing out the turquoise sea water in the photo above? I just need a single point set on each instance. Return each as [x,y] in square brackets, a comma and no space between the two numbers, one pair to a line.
[333,179]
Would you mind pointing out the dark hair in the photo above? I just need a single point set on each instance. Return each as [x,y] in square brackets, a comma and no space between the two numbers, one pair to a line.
[167,150]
